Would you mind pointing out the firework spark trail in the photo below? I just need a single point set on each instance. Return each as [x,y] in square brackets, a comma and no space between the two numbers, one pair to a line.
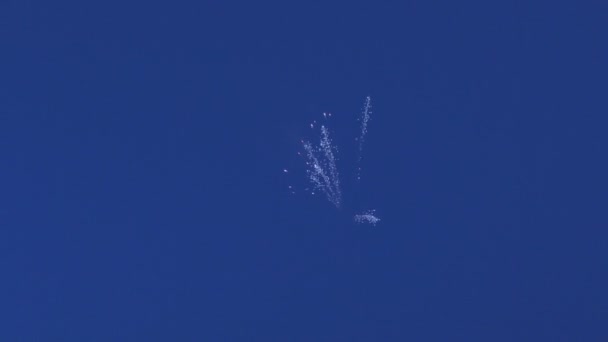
[365,115]
[317,171]
[328,148]
[316,174]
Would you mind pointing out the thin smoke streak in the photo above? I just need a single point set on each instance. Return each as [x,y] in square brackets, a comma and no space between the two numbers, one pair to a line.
[365,116]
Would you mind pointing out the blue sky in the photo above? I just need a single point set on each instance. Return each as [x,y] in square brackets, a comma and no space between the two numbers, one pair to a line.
[142,146]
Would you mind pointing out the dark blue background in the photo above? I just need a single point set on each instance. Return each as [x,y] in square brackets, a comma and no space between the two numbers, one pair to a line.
[142,198]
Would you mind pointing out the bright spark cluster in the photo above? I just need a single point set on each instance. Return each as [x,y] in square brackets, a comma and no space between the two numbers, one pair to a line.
[367,217]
